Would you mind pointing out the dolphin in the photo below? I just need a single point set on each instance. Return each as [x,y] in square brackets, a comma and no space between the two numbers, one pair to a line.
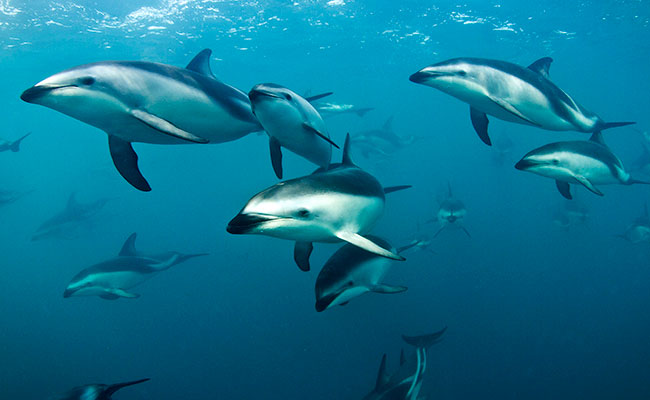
[351,272]
[137,101]
[512,93]
[639,230]
[382,141]
[341,203]
[406,382]
[8,197]
[96,391]
[67,220]
[571,213]
[291,122]
[6,145]
[451,212]
[587,163]
[328,109]
[111,279]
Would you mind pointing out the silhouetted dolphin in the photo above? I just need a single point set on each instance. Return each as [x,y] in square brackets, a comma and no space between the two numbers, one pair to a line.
[67,220]
[352,271]
[291,122]
[512,93]
[588,163]
[341,203]
[6,145]
[113,278]
[639,230]
[382,141]
[137,101]
[451,213]
[406,382]
[96,391]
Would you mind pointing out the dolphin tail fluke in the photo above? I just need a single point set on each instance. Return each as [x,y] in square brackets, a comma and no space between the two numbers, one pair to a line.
[609,125]
[114,388]
[15,146]
[424,341]
[632,181]
[126,162]
[185,257]
[363,111]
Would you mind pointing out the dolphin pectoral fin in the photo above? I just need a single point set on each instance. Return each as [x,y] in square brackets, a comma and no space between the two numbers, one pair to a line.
[164,126]
[541,66]
[442,228]
[367,245]
[466,231]
[201,63]
[276,156]
[126,161]
[319,134]
[480,123]
[345,303]
[586,183]
[109,296]
[121,293]
[391,189]
[513,110]
[301,253]
[564,189]
[318,96]
[388,289]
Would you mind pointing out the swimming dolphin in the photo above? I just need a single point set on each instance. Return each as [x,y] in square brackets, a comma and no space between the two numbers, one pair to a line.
[512,93]
[65,222]
[587,163]
[96,391]
[569,214]
[291,122]
[137,101]
[382,141]
[6,145]
[351,272]
[451,213]
[341,203]
[331,109]
[639,230]
[406,382]
[113,278]
[8,197]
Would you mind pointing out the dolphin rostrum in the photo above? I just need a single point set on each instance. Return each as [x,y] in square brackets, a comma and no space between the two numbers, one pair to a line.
[137,101]
[512,93]
[341,203]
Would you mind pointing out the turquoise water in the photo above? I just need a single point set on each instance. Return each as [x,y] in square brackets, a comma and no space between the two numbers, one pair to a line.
[533,310]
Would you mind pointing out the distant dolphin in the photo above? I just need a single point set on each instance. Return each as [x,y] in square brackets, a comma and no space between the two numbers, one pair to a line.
[6,145]
[97,391]
[137,101]
[291,122]
[113,278]
[8,197]
[64,222]
[341,203]
[571,213]
[639,230]
[332,109]
[351,272]
[451,213]
[588,163]
[512,93]
[406,382]
[382,141]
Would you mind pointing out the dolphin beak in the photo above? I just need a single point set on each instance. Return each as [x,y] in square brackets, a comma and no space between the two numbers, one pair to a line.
[37,91]
[256,94]
[525,164]
[245,223]
[422,76]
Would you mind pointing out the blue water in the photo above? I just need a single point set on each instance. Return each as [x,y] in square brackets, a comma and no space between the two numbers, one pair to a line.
[533,311]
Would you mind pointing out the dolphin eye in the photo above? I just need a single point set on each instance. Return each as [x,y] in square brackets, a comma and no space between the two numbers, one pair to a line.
[303,213]
[462,73]
[89,80]
[556,161]
[288,97]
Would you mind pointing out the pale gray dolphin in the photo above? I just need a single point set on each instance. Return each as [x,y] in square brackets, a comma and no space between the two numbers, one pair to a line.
[112,279]
[406,382]
[381,141]
[512,93]
[291,122]
[136,101]
[14,146]
[570,213]
[588,163]
[451,213]
[352,271]
[327,109]
[341,203]
[639,230]
[96,391]
[66,221]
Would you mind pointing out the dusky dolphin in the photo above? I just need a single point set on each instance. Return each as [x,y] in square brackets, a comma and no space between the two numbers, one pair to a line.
[138,101]
[341,203]
[381,141]
[588,163]
[66,221]
[96,391]
[451,213]
[512,93]
[639,230]
[14,146]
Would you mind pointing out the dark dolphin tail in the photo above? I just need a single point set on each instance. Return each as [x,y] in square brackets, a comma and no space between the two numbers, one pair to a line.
[633,181]
[114,388]
[185,257]
[424,341]
[609,125]
[15,146]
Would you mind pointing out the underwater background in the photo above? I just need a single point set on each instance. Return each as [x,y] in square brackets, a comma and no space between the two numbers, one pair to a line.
[533,310]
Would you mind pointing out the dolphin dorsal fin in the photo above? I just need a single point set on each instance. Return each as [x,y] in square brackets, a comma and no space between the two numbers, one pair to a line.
[201,63]
[128,248]
[72,204]
[541,66]
[388,125]
[347,160]
[382,377]
[598,138]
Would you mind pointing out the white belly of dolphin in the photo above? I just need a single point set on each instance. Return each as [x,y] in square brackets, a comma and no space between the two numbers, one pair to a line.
[121,280]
